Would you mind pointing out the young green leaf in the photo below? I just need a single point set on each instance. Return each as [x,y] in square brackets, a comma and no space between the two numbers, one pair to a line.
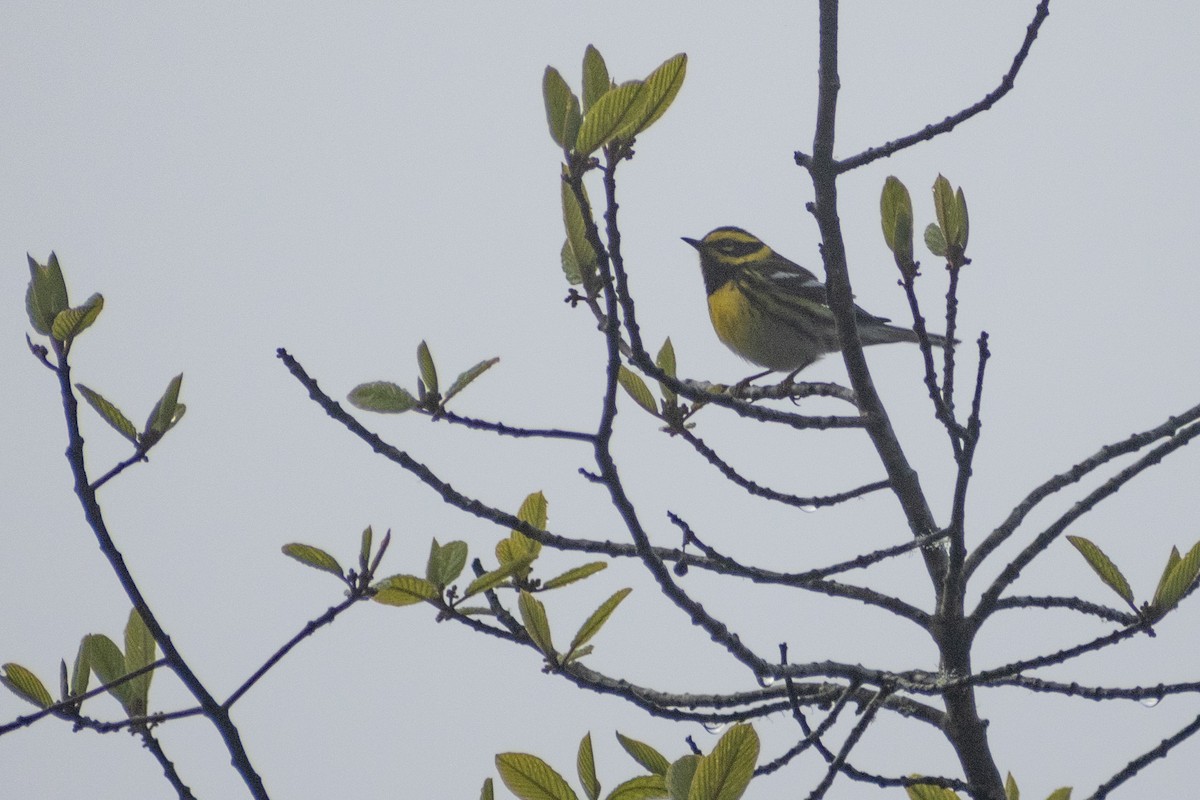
[679,776]
[1175,583]
[426,368]
[965,232]
[140,651]
[725,772]
[614,111]
[81,671]
[1011,792]
[585,762]
[926,791]
[935,240]
[596,621]
[534,510]
[165,413]
[643,787]
[570,266]
[487,792]
[464,379]
[1104,567]
[654,97]
[404,590]
[574,574]
[364,550]
[562,109]
[665,360]
[446,562]
[533,616]
[490,580]
[382,397]
[595,77]
[1061,793]
[632,383]
[896,214]
[108,662]
[583,256]
[109,413]
[945,208]
[70,322]
[25,685]
[313,557]
[531,778]
[46,296]
[644,754]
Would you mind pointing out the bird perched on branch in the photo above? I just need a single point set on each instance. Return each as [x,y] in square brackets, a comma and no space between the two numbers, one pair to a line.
[773,312]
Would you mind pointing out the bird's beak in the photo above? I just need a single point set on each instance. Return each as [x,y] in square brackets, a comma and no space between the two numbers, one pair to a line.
[692,242]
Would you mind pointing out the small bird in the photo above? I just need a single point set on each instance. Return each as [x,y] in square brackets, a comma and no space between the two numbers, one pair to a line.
[772,311]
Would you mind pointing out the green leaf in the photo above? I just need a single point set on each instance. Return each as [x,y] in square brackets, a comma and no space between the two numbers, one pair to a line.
[935,240]
[404,590]
[108,662]
[140,651]
[896,214]
[364,550]
[530,778]
[1061,793]
[425,365]
[533,616]
[585,762]
[81,672]
[582,652]
[534,510]
[165,414]
[946,209]
[1104,567]
[643,787]
[1175,583]
[574,574]
[583,255]
[615,111]
[25,685]
[313,557]
[680,775]
[632,383]
[655,96]
[109,413]
[596,621]
[490,580]
[961,202]
[464,379]
[446,562]
[595,77]
[570,266]
[725,772]
[487,792]
[562,109]
[1011,792]
[382,397]
[925,791]
[665,360]
[644,754]
[518,546]
[71,322]
[46,296]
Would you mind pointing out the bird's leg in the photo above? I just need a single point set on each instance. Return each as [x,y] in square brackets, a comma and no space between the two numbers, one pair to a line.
[741,386]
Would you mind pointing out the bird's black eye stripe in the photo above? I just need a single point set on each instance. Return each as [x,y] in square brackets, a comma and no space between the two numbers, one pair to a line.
[735,248]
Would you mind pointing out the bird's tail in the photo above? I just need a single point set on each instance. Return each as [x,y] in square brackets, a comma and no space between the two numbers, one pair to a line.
[886,334]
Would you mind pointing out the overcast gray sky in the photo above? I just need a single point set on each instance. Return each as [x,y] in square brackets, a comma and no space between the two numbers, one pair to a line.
[346,180]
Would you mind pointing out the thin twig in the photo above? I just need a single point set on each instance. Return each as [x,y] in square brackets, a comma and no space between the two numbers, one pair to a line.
[949,123]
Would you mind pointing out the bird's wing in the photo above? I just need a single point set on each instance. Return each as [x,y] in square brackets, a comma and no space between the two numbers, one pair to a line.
[797,283]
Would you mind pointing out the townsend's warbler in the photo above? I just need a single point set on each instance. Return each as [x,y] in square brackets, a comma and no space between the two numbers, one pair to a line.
[774,312]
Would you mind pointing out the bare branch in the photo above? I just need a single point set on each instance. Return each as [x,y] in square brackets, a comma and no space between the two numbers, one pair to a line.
[949,123]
